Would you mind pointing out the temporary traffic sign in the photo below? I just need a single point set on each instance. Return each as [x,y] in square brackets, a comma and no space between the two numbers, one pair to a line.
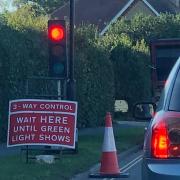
[42,122]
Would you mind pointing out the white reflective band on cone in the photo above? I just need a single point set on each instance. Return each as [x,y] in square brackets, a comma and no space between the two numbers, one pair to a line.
[108,144]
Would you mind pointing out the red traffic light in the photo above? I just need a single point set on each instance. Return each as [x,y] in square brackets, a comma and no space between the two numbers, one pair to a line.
[56,33]
[57,41]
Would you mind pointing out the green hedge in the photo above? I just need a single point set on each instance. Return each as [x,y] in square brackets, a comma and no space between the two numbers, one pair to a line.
[115,66]
[148,27]
[132,74]
[128,43]
[131,67]
[24,53]
[95,78]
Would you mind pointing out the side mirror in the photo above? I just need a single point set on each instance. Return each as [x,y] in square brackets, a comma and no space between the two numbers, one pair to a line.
[144,110]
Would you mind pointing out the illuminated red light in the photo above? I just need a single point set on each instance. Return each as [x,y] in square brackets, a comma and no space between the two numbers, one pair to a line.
[56,33]
[160,141]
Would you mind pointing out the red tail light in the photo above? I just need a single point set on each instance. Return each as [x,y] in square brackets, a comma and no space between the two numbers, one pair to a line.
[166,138]
[160,140]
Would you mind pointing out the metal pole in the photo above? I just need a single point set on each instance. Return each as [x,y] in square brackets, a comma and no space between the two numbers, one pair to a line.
[71,82]
[59,89]
[59,98]
[27,154]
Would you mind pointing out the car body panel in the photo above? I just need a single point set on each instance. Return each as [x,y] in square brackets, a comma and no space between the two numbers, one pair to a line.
[161,169]
[154,168]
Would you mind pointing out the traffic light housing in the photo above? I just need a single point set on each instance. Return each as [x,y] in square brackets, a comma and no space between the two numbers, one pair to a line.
[57,41]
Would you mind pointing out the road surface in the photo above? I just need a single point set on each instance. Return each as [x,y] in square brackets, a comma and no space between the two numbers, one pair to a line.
[128,163]
[132,165]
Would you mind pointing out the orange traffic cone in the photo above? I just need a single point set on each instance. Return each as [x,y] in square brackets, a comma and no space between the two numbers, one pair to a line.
[109,162]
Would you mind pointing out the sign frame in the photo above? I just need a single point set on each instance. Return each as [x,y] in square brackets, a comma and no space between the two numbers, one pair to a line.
[20,107]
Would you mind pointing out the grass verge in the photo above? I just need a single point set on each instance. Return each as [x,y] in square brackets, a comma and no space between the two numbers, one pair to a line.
[14,167]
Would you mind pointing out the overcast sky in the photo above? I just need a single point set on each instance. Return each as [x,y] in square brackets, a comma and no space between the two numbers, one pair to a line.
[8,3]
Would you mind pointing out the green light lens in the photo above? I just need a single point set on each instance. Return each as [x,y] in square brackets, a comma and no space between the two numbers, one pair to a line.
[58,68]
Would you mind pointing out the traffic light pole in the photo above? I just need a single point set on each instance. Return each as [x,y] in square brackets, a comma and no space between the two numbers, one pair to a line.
[59,89]
[71,84]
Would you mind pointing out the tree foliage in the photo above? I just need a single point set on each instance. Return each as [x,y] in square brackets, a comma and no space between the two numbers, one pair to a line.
[95,78]
[23,53]
[48,5]
[148,27]
[132,74]
[108,67]
[128,42]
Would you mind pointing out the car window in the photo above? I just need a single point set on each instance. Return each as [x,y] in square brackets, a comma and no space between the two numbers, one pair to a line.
[175,97]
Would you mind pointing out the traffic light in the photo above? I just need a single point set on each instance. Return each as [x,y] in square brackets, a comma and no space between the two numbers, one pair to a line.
[57,39]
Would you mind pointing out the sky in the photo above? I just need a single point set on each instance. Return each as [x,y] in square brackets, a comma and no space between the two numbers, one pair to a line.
[9,4]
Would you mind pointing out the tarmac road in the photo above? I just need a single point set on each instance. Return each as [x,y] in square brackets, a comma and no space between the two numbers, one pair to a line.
[132,165]
[129,162]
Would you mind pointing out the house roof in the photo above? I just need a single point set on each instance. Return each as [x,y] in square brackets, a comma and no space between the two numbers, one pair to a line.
[105,12]
[163,6]
[92,11]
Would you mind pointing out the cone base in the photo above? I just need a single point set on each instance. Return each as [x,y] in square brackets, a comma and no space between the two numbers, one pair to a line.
[109,163]
[119,175]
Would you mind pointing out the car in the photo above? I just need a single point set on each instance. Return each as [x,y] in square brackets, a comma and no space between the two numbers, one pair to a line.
[161,150]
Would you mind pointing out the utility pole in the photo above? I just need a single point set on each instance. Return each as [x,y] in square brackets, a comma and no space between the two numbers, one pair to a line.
[71,84]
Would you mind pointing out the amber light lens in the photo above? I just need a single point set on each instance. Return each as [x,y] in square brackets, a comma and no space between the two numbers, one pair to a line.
[58,51]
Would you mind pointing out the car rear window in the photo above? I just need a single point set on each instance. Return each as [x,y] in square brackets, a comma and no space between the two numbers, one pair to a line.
[175,97]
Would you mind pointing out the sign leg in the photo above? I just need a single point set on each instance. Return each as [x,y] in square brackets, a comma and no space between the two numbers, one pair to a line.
[27,154]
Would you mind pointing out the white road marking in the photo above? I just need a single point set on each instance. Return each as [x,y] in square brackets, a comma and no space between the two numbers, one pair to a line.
[129,165]
[132,165]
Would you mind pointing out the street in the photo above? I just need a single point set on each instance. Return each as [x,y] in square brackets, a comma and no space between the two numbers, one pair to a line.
[128,163]
[132,165]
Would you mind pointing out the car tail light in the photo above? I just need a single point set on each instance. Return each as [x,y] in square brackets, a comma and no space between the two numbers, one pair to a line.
[166,139]
[160,140]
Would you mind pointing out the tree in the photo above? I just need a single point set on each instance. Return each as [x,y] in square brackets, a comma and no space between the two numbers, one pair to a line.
[148,27]
[23,53]
[48,5]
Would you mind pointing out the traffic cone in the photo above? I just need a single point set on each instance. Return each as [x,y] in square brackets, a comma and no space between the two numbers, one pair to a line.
[109,162]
